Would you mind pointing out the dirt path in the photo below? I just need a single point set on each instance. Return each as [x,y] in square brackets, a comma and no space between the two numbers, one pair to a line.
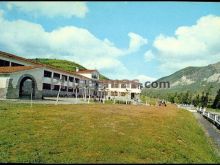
[210,130]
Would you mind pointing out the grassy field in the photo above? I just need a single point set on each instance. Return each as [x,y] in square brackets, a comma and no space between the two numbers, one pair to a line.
[101,134]
[213,110]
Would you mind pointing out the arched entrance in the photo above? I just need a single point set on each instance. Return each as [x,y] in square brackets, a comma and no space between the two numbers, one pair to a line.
[27,87]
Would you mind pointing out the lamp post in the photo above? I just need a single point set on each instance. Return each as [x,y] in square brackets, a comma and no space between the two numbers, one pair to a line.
[85,96]
[114,96]
[76,93]
[103,100]
[127,92]
[58,94]
[90,84]
[104,94]
[31,96]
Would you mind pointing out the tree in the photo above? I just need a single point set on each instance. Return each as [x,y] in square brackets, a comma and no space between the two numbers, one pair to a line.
[202,100]
[206,99]
[171,97]
[196,101]
[176,99]
[216,103]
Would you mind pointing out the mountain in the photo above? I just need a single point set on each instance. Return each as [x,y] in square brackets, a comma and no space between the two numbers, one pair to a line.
[63,64]
[193,79]
[191,75]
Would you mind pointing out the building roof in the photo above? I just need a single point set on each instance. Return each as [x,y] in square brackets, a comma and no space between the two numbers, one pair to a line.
[86,71]
[8,55]
[12,69]
[35,64]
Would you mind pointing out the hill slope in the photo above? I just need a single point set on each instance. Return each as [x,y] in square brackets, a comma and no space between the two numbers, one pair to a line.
[63,64]
[190,75]
[194,79]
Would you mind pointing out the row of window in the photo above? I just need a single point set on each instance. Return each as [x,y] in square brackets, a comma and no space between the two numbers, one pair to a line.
[56,87]
[116,94]
[7,63]
[57,76]
[122,85]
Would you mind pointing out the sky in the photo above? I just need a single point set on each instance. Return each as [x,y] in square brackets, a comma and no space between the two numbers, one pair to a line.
[122,40]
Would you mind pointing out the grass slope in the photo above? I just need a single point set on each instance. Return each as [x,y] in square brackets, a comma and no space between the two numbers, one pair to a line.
[63,64]
[101,134]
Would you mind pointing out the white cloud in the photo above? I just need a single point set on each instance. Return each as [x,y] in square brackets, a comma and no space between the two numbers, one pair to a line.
[30,40]
[51,9]
[149,56]
[136,41]
[194,45]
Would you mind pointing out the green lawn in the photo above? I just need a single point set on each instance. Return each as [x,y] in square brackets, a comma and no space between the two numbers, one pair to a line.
[100,133]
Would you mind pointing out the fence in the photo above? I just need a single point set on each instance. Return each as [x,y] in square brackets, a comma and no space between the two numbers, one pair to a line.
[212,117]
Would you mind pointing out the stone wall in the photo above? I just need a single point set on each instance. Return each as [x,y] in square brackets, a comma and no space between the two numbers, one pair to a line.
[13,85]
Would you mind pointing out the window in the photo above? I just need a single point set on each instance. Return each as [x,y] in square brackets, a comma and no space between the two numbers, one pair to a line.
[123,94]
[133,86]
[56,87]
[63,88]
[94,76]
[114,85]
[4,63]
[70,89]
[46,86]
[91,84]
[105,85]
[77,80]
[123,85]
[47,73]
[96,85]
[64,77]
[71,79]
[16,64]
[56,75]
[114,93]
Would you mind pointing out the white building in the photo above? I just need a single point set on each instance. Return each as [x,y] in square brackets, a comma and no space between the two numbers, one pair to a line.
[120,89]
[20,77]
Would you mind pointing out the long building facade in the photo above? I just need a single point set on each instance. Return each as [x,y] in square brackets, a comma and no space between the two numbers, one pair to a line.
[20,78]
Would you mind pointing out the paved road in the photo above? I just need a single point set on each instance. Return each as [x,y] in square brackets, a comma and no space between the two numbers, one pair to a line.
[210,130]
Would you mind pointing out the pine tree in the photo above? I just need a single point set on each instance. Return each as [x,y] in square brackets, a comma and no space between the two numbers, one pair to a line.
[202,100]
[216,103]
[196,101]
[206,99]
